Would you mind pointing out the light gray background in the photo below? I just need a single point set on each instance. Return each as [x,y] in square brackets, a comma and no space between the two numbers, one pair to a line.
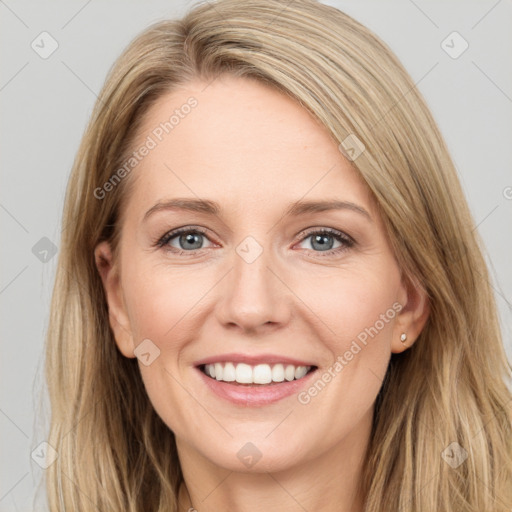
[45,104]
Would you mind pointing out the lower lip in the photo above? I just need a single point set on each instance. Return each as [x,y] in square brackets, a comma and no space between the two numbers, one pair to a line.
[257,395]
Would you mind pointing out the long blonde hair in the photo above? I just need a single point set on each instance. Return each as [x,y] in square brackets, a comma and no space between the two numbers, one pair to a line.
[115,453]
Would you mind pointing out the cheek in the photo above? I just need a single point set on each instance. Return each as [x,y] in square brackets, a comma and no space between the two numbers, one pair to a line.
[355,305]
[358,312]
[162,306]
[160,302]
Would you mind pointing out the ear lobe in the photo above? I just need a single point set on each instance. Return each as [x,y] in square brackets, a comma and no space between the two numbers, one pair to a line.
[412,317]
[118,317]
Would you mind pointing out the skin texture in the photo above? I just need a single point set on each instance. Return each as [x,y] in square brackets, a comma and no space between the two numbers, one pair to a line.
[255,151]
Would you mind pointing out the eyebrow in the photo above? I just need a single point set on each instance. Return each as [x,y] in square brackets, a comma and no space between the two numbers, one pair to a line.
[294,209]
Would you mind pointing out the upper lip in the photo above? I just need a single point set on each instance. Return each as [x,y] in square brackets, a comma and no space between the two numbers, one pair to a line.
[252,359]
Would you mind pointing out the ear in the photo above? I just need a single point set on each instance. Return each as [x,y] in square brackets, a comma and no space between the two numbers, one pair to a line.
[117,314]
[412,317]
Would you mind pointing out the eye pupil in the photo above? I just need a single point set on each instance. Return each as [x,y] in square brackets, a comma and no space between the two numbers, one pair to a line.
[190,238]
[322,240]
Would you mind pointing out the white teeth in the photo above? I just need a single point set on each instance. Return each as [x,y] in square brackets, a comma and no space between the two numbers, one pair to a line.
[229,374]
[289,373]
[243,373]
[278,373]
[262,374]
[258,374]
[300,371]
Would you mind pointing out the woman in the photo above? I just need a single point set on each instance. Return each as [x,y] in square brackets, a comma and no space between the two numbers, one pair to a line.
[329,341]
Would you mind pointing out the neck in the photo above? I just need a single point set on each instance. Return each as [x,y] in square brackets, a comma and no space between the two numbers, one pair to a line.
[328,482]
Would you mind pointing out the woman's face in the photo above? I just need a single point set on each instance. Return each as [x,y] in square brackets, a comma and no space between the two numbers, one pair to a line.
[270,282]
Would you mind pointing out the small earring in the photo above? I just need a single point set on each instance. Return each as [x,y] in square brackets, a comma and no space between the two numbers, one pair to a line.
[403,338]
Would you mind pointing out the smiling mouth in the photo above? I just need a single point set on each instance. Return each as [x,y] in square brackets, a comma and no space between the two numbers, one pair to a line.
[255,375]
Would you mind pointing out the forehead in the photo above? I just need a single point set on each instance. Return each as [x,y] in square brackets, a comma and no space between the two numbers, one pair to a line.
[242,142]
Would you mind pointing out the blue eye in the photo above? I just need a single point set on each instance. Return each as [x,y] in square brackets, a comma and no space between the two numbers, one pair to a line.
[322,241]
[190,240]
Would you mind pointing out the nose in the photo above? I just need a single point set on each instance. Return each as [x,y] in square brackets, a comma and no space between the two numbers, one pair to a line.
[253,296]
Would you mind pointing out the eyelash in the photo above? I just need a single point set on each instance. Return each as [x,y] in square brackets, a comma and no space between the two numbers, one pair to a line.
[338,235]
